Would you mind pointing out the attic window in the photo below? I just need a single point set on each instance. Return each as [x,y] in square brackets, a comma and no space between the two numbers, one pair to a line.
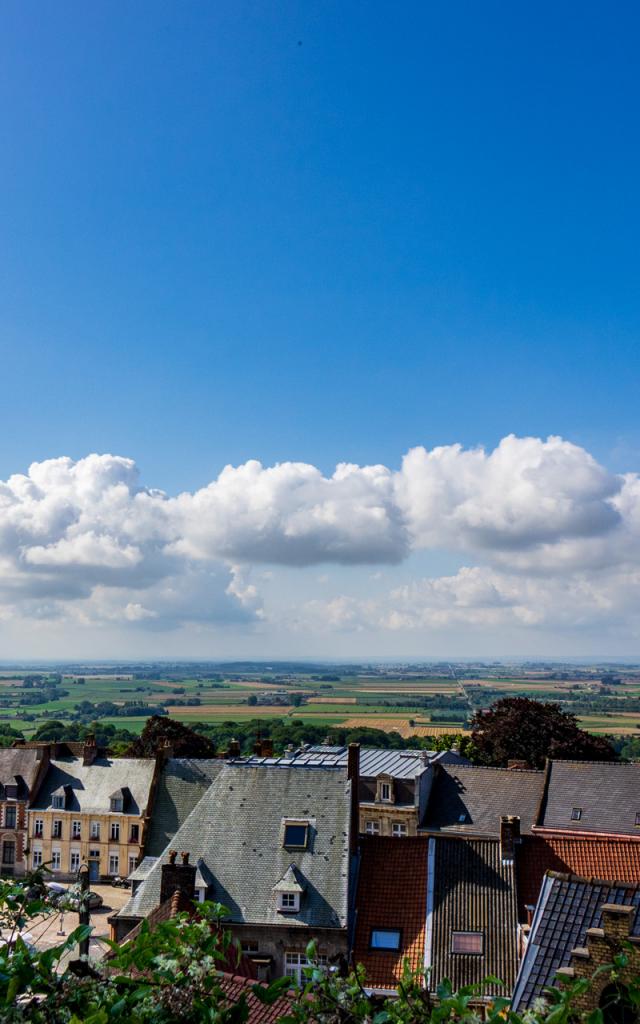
[116,803]
[289,902]
[296,835]
[385,938]
[576,813]
[462,817]
[57,800]
[637,817]
[467,942]
[11,792]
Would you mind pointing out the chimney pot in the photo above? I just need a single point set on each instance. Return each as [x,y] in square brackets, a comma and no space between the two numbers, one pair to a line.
[178,878]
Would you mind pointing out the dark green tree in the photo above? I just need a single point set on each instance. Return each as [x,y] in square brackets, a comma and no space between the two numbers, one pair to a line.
[517,728]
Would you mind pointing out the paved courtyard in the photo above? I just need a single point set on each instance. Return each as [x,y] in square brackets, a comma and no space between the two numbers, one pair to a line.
[45,932]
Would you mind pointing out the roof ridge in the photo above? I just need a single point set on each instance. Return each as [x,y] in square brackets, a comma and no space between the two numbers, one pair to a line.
[565,876]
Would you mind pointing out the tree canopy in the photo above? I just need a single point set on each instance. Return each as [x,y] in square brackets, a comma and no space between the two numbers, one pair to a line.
[184,741]
[517,728]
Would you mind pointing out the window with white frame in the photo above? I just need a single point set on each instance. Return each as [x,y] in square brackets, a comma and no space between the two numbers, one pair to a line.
[133,863]
[116,804]
[74,860]
[56,828]
[36,858]
[94,854]
[114,863]
[76,829]
[38,826]
[398,828]
[372,828]
[57,801]
[294,964]
[56,860]
[95,830]
[289,902]
[384,790]
[115,830]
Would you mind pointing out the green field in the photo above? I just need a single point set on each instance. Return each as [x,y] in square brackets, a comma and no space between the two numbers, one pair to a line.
[411,703]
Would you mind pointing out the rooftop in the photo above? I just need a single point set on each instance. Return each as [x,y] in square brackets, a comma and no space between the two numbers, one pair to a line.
[592,796]
[469,799]
[236,836]
[18,766]
[425,889]
[401,764]
[587,856]
[88,788]
[566,908]
[182,783]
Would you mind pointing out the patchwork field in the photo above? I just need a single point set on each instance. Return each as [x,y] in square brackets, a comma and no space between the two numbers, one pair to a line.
[408,702]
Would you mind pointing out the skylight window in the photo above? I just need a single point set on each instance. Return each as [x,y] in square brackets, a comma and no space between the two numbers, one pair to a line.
[385,938]
[637,817]
[576,813]
[296,835]
[467,942]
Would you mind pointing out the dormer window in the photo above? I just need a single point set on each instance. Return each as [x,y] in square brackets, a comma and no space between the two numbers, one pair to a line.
[57,801]
[384,790]
[11,792]
[576,813]
[296,835]
[288,891]
[638,818]
[289,902]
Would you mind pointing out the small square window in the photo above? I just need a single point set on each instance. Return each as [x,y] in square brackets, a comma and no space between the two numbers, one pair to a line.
[462,818]
[372,828]
[467,942]
[398,828]
[296,835]
[289,902]
[576,813]
[385,938]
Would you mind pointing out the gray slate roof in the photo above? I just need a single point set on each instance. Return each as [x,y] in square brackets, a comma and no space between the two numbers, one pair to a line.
[480,796]
[91,786]
[566,908]
[235,834]
[473,891]
[18,765]
[182,784]
[607,794]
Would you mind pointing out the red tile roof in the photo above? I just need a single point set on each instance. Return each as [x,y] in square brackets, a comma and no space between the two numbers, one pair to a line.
[234,987]
[385,901]
[613,859]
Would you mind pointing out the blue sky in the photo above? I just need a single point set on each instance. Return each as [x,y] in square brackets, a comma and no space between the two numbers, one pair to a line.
[317,232]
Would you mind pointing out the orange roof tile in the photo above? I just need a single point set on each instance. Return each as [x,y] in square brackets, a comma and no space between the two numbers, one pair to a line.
[609,858]
[384,901]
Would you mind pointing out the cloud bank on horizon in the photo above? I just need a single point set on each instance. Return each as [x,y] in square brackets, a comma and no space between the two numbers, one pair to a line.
[546,535]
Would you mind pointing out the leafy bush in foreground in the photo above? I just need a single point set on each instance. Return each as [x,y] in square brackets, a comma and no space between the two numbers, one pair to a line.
[171,975]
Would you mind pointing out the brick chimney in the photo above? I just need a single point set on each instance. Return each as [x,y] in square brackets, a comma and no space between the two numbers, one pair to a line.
[233,750]
[509,837]
[353,774]
[267,748]
[89,751]
[178,877]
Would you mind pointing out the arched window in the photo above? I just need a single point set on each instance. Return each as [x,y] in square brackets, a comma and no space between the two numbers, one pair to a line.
[617,1007]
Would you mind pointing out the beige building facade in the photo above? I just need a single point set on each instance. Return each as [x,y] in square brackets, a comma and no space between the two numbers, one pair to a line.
[91,810]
